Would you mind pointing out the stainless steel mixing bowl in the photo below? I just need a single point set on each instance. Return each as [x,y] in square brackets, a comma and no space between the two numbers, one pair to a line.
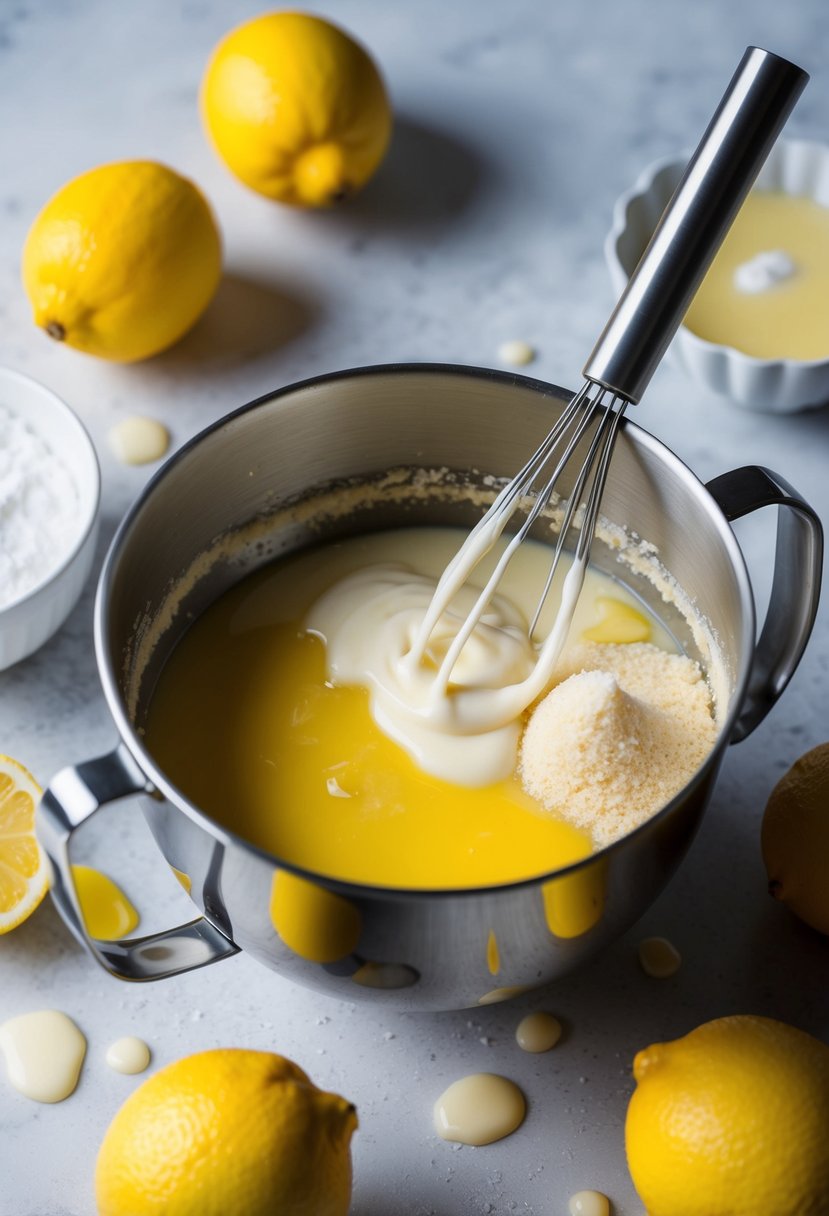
[415,949]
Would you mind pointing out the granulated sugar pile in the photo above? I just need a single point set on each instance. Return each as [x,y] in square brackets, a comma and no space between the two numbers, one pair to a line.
[621,733]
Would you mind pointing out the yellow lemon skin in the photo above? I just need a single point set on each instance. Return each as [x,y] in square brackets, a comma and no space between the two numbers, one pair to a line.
[296,109]
[732,1120]
[227,1131]
[123,260]
[795,838]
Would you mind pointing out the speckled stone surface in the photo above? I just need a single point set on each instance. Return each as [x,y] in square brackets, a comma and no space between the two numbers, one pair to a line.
[518,125]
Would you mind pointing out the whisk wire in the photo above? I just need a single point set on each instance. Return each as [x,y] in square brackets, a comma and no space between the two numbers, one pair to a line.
[602,443]
[576,419]
[611,422]
[490,526]
[523,480]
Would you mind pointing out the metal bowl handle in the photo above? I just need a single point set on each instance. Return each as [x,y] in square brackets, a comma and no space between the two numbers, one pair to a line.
[795,590]
[73,796]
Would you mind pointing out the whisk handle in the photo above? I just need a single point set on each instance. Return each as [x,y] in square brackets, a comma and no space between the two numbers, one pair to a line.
[719,175]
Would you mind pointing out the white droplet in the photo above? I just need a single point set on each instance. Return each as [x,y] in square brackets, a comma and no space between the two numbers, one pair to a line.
[128,1055]
[517,352]
[138,440]
[44,1052]
[589,1203]
[538,1032]
[479,1109]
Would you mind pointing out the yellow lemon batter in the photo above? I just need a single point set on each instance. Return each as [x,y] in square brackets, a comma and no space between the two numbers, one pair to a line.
[246,723]
[787,318]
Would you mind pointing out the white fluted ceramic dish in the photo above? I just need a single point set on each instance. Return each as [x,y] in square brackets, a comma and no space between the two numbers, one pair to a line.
[778,386]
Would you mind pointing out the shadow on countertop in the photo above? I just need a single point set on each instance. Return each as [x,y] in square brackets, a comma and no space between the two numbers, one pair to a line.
[428,179]
[42,941]
[247,318]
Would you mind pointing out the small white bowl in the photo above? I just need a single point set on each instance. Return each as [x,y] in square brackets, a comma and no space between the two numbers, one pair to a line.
[769,385]
[29,620]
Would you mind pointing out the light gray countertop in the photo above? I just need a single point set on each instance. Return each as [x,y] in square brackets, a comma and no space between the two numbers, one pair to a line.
[517,126]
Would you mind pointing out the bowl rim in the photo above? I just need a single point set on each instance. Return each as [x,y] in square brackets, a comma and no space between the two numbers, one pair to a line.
[619,224]
[12,376]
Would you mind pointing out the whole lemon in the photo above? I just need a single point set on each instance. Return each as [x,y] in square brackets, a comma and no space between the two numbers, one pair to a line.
[795,838]
[732,1120]
[227,1131]
[123,260]
[296,109]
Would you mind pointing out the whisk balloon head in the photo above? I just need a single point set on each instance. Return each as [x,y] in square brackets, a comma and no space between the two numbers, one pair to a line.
[592,417]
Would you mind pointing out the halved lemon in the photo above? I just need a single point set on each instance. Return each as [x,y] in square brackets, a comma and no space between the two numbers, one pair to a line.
[24,870]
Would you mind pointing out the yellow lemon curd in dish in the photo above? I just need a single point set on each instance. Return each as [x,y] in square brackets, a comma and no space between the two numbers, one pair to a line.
[787,318]
[247,725]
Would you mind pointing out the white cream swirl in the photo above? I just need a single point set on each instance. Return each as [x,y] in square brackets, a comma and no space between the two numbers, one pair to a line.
[467,734]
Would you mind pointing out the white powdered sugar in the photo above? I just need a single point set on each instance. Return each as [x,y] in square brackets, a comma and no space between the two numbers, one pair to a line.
[39,508]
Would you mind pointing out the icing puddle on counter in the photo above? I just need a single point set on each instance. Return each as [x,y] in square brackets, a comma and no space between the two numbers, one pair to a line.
[248,723]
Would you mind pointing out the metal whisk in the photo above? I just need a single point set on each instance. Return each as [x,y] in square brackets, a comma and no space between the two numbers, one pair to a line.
[719,175]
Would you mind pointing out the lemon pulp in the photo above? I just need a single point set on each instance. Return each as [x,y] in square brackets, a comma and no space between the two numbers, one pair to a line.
[24,871]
